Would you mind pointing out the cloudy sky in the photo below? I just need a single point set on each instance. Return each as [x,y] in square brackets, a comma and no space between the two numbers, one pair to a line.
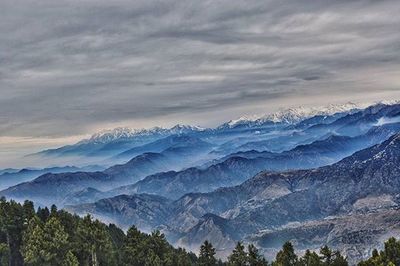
[69,68]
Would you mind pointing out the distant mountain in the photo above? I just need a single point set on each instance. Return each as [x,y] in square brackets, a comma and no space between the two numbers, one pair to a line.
[108,136]
[184,150]
[9,170]
[11,178]
[293,115]
[276,132]
[358,123]
[367,181]
[274,207]
[145,211]
[185,143]
[351,124]
[111,142]
[53,188]
[237,167]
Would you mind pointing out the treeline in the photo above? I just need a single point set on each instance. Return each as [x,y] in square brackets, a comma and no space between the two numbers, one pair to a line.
[57,238]
[285,257]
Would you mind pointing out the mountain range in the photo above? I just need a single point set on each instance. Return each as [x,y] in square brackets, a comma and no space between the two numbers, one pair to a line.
[314,176]
[273,205]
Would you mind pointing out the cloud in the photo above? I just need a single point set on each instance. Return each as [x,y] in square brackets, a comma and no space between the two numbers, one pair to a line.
[70,67]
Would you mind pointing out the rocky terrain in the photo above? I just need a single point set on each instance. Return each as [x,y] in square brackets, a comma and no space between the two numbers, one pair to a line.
[282,204]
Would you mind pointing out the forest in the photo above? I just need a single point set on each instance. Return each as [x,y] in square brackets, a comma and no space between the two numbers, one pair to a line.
[52,237]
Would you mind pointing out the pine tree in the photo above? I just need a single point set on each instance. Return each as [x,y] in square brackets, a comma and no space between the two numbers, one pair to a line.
[286,257]
[132,253]
[390,255]
[4,254]
[58,238]
[45,244]
[95,245]
[254,258]
[238,256]
[12,224]
[310,259]
[70,260]
[43,214]
[327,255]
[207,255]
[339,260]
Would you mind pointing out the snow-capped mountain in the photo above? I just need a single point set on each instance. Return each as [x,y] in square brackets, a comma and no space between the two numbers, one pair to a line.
[294,115]
[121,133]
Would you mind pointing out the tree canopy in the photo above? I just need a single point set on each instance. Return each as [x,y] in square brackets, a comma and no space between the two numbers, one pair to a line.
[52,237]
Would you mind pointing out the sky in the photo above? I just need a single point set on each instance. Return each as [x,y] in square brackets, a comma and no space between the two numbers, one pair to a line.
[71,68]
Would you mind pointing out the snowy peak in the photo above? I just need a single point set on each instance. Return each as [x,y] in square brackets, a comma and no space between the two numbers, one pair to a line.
[106,136]
[121,133]
[182,129]
[296,114]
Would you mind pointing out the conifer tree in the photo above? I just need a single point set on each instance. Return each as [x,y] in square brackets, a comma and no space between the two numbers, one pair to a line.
[43,214]
[4,254]
[45,244]
[207,255]
[310,259]
[238,256]
[390,255]
[254,258]
[95,243]
[286,257]
[132,253]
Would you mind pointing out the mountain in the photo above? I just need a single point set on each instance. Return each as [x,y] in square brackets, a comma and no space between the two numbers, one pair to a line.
[292,115]
[53,188]
[276,132]
[351,124]
[145,211]
[112,142]
[367,181]
[184,150]
[185,143]
[237,167]
[9,170]
[355,234]
[359,122]
[297,205]
[11,178]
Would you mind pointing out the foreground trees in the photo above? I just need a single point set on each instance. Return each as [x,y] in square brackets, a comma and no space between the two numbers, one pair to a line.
[327,257]
[57,238]
[389,256]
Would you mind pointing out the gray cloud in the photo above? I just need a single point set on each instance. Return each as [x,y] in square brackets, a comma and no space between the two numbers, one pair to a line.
[69,67]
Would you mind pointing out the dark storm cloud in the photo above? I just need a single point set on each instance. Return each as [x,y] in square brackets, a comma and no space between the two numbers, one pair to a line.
[67,67]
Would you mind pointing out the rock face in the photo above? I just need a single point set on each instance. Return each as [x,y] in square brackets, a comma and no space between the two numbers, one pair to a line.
[355,235]
[145,211]
[335,204]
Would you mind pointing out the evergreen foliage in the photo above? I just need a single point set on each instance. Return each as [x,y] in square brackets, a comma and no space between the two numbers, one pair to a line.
[207,255]
[57,238]
[238,256]
[390,255]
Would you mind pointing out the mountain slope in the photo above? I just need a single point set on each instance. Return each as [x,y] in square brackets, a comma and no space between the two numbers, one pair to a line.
[238,167]
[364,183]
[185,143]
[12,178]
[53,188]
[367,181]
[112,142]
[144,211]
